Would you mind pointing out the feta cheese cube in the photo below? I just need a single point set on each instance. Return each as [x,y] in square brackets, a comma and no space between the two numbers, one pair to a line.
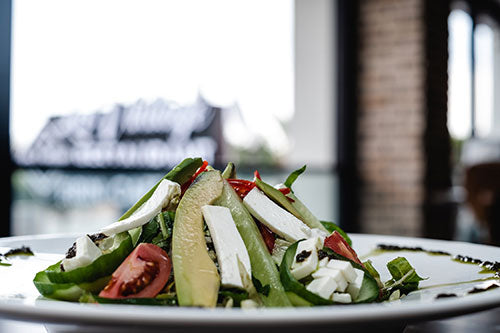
[320,235]
[323,286]
[354,287]
[86,252]
[323,262]
[341,298]
[305,266]
[334,274]
[274,217]
[345,267]
[228,244]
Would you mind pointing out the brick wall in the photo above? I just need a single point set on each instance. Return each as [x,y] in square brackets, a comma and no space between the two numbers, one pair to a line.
[394,111]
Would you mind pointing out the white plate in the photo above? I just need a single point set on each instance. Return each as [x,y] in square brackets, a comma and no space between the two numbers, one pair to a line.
[20,300]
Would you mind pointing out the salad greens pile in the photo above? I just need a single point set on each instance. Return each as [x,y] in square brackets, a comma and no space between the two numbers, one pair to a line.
[202,237]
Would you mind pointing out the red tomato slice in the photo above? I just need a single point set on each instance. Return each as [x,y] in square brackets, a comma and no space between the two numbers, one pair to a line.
[143,274]
[268,236]
[338,244]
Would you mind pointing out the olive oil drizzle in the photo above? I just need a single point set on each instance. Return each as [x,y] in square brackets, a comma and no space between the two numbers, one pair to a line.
[488,267]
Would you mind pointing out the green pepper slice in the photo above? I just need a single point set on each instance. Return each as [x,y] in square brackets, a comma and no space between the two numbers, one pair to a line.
[66,291]
[103,266]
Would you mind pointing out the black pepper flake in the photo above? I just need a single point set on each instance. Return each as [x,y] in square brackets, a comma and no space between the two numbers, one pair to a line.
[302,256]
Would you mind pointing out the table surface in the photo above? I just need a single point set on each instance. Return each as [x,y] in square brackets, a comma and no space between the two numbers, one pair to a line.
[485,321]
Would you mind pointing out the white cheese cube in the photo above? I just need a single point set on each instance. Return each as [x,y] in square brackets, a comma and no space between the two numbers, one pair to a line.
[354,287]
[345,267]
[341,298]
[309,261]
[229,245]
[334,274]
[320,235]
[274,217]
[323,262]
[325,271]
[323,286]
[86,252]
[341,284]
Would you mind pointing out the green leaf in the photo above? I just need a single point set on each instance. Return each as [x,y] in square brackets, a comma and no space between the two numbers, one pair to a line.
[237,295]
[404,276]
[399,267]
[293,176]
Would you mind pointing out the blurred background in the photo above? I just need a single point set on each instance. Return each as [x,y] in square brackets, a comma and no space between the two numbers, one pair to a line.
[393,106]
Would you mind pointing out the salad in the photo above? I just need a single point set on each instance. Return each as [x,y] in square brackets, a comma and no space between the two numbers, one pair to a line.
[205,238]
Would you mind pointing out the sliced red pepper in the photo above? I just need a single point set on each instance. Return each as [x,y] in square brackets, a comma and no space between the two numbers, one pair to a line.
[338,244]
[256,175]
[268,236]
[202,168]
[241,186]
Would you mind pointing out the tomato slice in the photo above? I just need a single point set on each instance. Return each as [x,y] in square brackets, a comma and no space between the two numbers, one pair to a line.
[268,236]
[338,244]
[143,274]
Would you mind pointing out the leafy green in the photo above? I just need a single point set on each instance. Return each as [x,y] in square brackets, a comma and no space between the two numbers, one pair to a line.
[293,177]
[237,295]
[404,276]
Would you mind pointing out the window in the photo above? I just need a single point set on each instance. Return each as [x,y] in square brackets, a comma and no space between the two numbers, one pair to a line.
[100,80]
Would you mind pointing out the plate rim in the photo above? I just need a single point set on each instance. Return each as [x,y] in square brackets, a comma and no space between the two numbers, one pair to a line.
[76,313]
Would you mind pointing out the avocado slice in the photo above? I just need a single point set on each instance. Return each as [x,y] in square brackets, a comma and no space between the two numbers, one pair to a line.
[196,278]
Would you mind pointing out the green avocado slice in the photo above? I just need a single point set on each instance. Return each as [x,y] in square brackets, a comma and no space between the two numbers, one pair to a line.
[196,278]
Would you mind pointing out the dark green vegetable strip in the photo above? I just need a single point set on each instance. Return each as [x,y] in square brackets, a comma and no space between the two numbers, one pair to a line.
[66,291]
[291,284]
[103,266]
[293,177]
[179,174]
[263,267]
[331,227]
[297,300]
